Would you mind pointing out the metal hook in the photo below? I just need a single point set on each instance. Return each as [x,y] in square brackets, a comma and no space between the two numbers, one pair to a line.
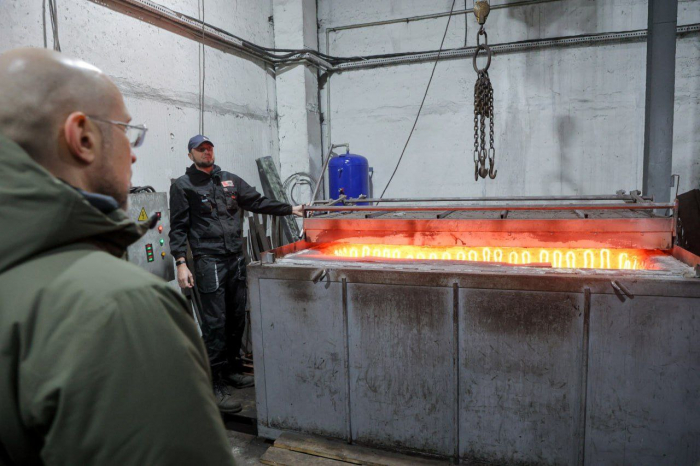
[482,156]
[492,163]
[492,172]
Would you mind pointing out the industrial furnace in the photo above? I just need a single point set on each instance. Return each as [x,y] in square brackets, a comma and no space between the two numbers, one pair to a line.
[524,330]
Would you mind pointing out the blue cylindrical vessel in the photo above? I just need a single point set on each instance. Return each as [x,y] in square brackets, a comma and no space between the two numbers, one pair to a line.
[348,174]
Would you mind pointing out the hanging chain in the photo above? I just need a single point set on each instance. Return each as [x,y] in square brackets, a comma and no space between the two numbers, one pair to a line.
[483,103]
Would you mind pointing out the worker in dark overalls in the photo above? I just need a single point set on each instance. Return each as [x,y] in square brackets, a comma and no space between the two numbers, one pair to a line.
[204,207]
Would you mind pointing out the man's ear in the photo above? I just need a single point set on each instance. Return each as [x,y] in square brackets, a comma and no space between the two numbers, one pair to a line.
[82,137]
[189,154]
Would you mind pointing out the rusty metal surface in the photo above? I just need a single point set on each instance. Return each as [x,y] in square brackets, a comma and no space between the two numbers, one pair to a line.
[685,256]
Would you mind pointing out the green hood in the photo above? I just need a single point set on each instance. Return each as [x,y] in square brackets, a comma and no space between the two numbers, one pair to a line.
[39,212]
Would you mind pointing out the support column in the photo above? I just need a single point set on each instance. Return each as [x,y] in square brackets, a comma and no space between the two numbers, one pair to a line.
[661,77]
[297,91]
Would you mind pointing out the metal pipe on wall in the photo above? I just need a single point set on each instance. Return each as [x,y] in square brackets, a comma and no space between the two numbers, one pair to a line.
[436,15]
[660,90]
[584,39]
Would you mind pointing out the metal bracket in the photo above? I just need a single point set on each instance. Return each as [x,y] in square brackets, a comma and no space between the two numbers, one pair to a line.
[676,183]
[621,290]
[319,275]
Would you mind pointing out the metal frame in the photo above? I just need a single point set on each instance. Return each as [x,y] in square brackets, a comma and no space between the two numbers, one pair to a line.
[595,197]
[500,229]
[458,208]
[583,39]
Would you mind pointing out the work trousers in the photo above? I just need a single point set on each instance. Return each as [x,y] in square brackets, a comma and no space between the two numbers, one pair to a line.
[221,282]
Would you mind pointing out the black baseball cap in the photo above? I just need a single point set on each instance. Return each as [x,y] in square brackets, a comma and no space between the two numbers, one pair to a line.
[197,141]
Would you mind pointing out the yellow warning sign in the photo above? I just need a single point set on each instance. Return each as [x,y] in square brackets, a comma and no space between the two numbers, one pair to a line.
[143,215]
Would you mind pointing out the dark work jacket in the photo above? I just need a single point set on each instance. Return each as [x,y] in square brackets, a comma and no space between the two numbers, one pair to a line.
[204,210]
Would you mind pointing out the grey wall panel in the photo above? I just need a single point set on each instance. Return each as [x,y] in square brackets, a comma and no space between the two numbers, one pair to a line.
[302,334]
[401,366]
[644,381]
[520,375]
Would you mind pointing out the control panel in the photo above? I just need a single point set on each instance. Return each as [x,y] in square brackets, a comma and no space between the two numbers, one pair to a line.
[152,251]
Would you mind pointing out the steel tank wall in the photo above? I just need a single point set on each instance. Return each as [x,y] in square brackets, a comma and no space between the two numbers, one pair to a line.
[348,174]
[513,369]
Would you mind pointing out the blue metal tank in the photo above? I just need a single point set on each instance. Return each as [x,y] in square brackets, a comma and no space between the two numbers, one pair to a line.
[348,174]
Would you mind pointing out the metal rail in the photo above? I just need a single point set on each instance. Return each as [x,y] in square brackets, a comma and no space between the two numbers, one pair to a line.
[645,206]
[435,15]
[639,34]
[594,197]
[200,31]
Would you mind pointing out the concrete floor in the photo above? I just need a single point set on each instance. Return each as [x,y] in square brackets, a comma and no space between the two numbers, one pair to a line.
[247,449]
[241,428]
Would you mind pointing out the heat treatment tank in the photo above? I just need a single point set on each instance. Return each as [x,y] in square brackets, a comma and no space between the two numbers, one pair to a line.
[471,359]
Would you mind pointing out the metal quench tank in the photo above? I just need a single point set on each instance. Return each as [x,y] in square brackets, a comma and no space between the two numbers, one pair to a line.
[558,350]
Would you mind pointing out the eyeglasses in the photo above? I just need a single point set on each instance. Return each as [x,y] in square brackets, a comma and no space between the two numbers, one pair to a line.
[134,133]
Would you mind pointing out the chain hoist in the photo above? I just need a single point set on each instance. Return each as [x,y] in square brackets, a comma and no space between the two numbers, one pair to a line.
[483,101]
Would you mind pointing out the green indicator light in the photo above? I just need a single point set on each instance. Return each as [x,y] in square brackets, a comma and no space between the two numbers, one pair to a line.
[162,241]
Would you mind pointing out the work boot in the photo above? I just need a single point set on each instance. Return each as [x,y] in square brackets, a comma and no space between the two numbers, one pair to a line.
[238,380]
[224,400]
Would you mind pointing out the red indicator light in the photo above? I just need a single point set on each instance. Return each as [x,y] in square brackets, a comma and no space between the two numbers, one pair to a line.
[160,228]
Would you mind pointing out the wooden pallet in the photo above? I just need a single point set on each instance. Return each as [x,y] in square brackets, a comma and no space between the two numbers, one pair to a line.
[292,449]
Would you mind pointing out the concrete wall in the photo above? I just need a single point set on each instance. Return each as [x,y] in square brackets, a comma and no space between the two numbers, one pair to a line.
[159,73]
[297,93]
[568,120]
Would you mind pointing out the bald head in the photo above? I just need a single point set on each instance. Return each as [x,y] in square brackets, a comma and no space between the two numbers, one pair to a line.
[40,88]
[57,109]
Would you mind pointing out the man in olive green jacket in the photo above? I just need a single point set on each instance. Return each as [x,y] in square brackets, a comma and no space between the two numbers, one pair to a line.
[100,364]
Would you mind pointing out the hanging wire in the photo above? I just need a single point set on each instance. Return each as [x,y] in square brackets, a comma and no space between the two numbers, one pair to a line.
[43,21]
[202,73]
[295,181]
[53,14]
[437,59]
[466,22]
